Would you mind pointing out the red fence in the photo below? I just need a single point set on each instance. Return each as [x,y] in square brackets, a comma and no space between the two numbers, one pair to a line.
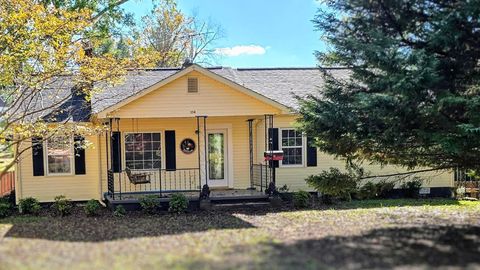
[7,183]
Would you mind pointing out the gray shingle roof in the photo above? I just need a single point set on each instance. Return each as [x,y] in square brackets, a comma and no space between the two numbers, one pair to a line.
[278,84]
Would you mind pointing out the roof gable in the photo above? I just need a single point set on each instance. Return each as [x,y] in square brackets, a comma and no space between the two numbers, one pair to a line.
[172,76]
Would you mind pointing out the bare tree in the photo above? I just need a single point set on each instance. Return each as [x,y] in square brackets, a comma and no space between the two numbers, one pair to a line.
[177,38]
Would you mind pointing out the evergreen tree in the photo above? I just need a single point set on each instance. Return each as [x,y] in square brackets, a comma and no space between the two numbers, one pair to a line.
[412,94]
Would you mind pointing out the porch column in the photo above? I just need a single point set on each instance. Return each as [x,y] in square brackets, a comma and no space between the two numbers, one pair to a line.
[202,156]
[250,148]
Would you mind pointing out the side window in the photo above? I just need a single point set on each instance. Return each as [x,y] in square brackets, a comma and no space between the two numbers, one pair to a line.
[292,144]
[142,151]
[59,155]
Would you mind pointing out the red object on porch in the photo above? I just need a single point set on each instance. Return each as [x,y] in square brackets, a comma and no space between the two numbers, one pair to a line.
[273,155]
[7,183]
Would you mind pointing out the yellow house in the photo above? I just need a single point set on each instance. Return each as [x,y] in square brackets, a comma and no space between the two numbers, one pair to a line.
[181,129]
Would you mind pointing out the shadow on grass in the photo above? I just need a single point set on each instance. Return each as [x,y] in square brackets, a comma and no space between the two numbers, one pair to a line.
[106,227]
[425,247]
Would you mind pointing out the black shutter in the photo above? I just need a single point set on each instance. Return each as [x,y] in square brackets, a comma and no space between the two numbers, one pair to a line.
[311,153]
[37,156]
[116,151]
[273,143]
[79,155]
[170,147]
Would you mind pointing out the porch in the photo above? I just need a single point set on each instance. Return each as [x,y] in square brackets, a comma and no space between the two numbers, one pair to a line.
[208,169]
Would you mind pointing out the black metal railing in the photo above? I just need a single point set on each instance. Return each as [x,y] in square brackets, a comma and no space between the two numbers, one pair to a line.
[262,176]
[111,183]
[159,181]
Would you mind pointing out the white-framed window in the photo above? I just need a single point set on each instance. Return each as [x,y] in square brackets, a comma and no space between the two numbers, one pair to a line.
[59,155]
[143,150]
[292,142]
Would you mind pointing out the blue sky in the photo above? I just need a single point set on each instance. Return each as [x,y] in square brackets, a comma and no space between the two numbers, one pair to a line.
[258,33]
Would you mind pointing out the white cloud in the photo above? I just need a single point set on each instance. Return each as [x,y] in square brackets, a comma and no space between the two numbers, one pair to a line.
[241,50]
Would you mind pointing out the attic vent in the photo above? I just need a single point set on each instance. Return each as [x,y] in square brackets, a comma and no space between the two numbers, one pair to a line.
[192,85]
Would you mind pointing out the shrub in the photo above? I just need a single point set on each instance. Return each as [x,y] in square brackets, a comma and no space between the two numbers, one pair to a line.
[5,209]
[333,183]
[368,191]
[29,205]
[62,206]
[178,203]
[384,189]
[412,187]
[372,190]
[301,199]
[149,204]
[119,211]
[92,207]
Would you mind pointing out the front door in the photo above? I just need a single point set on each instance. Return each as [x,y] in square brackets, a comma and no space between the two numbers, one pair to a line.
[217,158]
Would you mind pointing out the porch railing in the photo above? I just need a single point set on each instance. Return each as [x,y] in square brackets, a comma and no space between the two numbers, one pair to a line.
[160,182]
[261,176]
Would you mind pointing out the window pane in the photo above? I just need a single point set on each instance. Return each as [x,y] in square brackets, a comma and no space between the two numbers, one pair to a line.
[129,138]
[147,137]
[59,145]
[147,146]
[147,165]
[128,156]
[138,137]
[156,137]
[138,165]
[128,146]
[298,142]
[129,164]
[59,164]
[138,155]
[148,155]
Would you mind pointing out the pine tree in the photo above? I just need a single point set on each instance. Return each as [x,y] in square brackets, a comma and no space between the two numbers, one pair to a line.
[412,94]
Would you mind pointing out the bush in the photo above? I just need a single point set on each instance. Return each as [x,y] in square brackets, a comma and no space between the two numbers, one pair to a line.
[92,207]
[384,189]
[333,183]
[120,211]
[62,206]
[372,190]
[29,205]
[5,209]
[178,203]
[149,204]
[411,188]
[301,199]
[368,191]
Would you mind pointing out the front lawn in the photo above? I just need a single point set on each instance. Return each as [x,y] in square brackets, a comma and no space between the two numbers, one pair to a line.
[368,234]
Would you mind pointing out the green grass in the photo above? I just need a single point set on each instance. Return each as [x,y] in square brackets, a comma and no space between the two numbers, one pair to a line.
[379,234]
